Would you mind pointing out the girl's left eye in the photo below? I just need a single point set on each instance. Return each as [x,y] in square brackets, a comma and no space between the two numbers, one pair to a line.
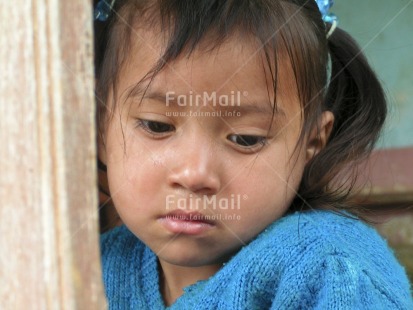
[247,141]
[155,127]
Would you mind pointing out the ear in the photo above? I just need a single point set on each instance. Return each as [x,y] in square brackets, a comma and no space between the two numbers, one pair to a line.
[319,135]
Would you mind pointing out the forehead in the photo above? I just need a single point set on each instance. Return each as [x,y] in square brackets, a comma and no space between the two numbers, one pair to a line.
[238,64]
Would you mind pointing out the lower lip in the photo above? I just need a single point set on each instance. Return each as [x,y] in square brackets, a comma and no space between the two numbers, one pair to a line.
[185,227]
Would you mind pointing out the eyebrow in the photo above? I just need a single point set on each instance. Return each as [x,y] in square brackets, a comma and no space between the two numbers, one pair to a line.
[247,107]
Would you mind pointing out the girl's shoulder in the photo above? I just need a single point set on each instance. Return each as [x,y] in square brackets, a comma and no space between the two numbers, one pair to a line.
[118,240]
[319,233]
[120,250]
[328,254]
[122,255]
[333,228]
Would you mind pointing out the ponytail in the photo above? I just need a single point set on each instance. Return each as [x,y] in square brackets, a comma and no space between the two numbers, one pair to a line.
[358,103]
[355,96]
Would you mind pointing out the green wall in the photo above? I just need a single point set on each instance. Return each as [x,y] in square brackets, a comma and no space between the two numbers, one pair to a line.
[384,29]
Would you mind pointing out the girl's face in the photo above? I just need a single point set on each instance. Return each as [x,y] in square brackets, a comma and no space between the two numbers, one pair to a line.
[200,166]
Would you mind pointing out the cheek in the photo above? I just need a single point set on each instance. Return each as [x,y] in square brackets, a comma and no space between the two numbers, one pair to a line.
[274,178]
[133,171]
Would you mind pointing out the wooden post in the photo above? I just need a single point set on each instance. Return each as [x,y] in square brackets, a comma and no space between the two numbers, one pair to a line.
[49,256]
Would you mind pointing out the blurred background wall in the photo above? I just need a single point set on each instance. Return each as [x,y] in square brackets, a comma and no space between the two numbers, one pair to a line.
[384,29]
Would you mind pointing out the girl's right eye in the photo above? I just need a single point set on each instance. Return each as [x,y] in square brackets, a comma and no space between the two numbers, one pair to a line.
[154,127]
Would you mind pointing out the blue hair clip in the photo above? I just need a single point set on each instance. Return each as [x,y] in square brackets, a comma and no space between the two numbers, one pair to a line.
[324,7]
[103,10]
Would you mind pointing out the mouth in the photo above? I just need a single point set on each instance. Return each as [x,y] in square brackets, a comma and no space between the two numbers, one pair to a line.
[189,223]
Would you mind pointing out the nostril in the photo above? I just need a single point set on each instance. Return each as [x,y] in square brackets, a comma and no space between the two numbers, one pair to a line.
[203,191]
[201,182]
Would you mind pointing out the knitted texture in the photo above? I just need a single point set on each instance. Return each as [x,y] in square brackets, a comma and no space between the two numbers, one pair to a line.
[307,260]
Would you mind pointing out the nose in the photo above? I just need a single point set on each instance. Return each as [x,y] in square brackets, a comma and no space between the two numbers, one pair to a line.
[196,169]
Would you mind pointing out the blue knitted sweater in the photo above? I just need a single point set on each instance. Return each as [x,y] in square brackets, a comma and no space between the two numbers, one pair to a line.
[307,260]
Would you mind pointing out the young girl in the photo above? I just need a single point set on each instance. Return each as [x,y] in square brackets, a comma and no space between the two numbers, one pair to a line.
[225,128]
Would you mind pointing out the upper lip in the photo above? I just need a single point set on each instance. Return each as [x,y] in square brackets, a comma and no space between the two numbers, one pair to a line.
[188,216]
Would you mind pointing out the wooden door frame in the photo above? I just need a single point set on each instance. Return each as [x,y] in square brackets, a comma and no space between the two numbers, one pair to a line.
[49,249]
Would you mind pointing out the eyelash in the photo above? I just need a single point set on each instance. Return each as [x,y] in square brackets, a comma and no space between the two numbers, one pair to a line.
[146,124]
[241,141]
[244,141]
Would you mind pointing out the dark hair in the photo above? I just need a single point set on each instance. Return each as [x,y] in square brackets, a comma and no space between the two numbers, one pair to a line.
[330,74]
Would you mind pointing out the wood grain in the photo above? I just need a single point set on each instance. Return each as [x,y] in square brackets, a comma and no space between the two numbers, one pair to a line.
[49,256]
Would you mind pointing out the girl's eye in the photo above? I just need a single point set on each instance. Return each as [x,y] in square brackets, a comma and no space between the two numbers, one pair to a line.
[247,141]
[155,127]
